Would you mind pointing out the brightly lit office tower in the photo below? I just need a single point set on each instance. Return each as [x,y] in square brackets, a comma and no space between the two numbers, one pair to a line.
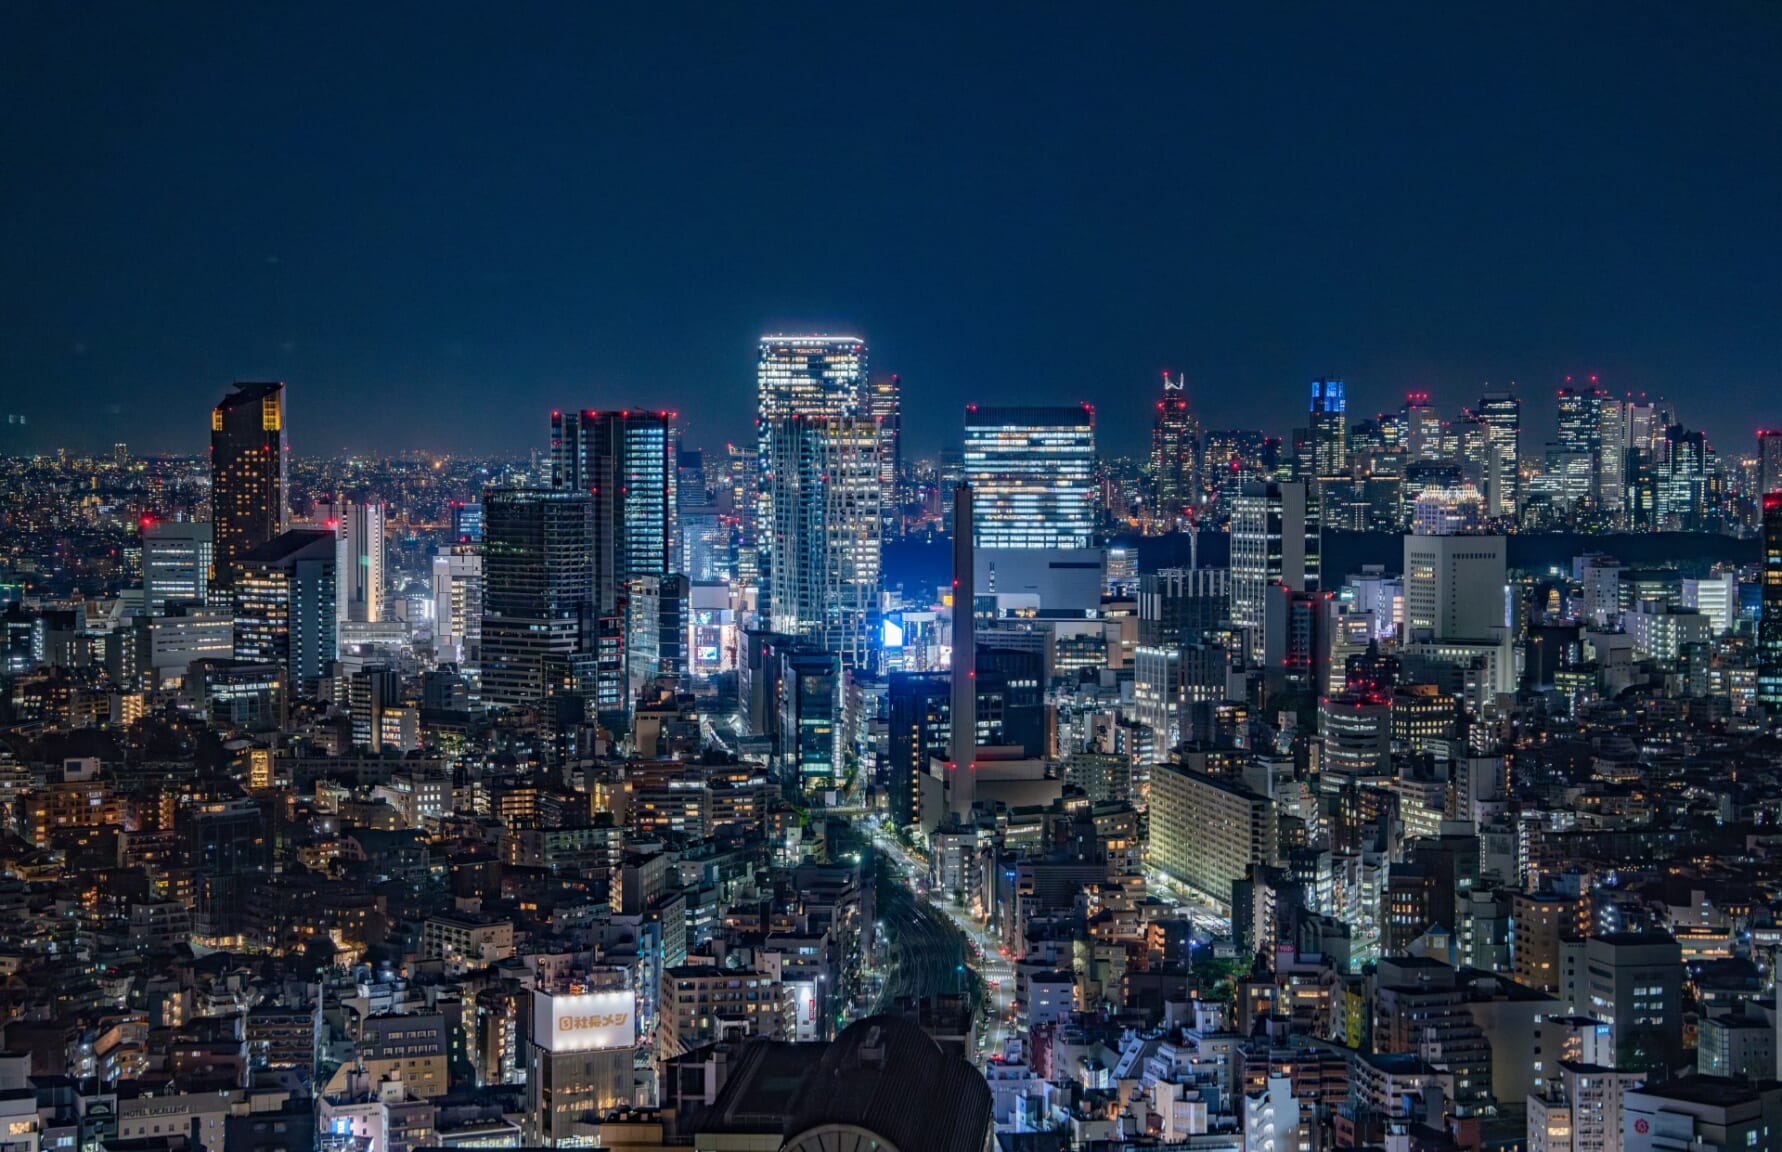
[284,604]
[1689,483]
[1645,421]
[1175,460]
[1329,428]
[823,376]
[625,461]
[1501,413]
[176,560]
[1032,473]
[1591,422]
[360,561]
[1274,538]
[827,526]
[1448,510]
[540,631]
[1423,429]
[247,472]
[883,401]
[458,604]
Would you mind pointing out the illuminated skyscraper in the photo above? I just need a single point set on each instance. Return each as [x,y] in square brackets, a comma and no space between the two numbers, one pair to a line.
[1329,429]
[625,461]
[1580,419]
[284,604]
[1423,429]
[657,619]
[458,603]
[1501,413]
[1769,460]
[1274,539]
[1769,625]
[827,532]
[817,375]
[176,564]
[1032,473]
[883,401]
[1592,422]
[1175,456]
[540,629]
[247,470]
[1688,482]
[360,562]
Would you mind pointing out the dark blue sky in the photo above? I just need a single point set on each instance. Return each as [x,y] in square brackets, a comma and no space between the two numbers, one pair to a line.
[436,222]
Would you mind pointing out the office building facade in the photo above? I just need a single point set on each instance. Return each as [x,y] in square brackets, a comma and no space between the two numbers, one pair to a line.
[883,401]
[1206,832]
[827,531]
[176,564]
[799,375]
[285,612]
[1175,454]
[1274,539]
[624,462]
[248,487]
[1032,473]
[1329,427]
[458,604]
[1454,587]
[359,529]
[539,619]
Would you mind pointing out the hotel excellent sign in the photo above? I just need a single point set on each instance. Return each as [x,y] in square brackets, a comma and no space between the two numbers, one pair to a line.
[584,1022]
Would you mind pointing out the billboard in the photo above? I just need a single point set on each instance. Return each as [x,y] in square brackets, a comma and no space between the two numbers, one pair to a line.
[804,1008]
[585,1021]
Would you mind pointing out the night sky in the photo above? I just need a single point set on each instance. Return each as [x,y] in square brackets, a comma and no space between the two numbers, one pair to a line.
[438,222]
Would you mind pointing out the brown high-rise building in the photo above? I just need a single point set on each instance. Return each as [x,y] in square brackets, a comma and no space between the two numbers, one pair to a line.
[247,473]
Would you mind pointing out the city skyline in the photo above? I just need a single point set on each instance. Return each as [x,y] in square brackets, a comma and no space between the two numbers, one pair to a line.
[825,579]
[1514,227]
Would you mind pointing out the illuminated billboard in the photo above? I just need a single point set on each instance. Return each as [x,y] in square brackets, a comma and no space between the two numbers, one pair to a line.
[804,1006]
[584,1022]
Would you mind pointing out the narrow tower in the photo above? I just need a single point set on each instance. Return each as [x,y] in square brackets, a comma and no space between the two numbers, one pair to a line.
[961,782]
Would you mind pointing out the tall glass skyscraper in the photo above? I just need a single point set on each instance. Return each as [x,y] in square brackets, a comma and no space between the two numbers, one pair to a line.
[625,461]
[1689,484]
[1032,472]
[1330,428]
[1501,413]
[827,529]
[1175,453]
[540,633]
[883,401]
[247,470]
[1274,537]
[814,375]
